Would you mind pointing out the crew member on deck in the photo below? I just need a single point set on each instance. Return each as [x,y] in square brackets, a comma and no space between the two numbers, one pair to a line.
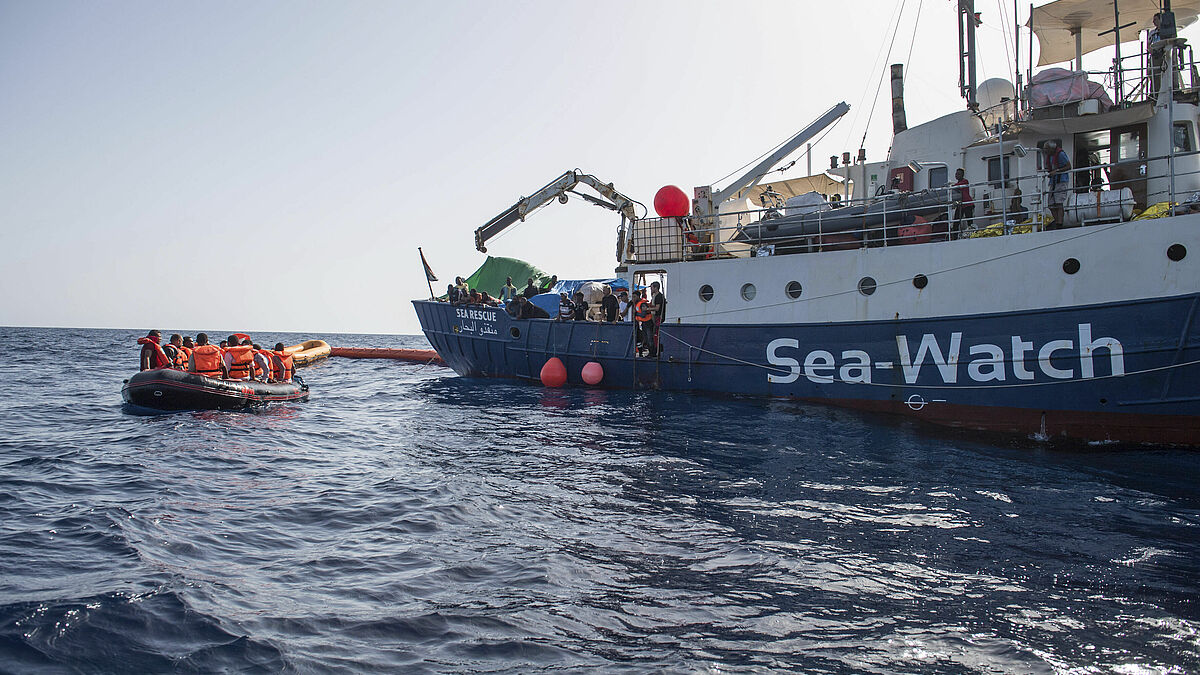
[609,306]
[658,305]
[643,318]
[565,308]
[579,307]
[206,359]
[509,292]
[1058,165]
[964,208]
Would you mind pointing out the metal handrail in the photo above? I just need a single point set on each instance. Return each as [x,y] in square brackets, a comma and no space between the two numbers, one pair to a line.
[674,244]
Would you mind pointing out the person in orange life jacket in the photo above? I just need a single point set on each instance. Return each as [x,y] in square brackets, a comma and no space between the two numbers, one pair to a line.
[187,342]
[177,352]
[153,356]
[281,364]
[239,360]
[643,318]
[262,364]
[206,359]
[964,209]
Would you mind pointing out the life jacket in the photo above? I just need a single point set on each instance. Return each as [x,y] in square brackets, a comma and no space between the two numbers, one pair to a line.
[281,366]
[641,312]
[206,359]
[182,354]
[160,359]
[243,358]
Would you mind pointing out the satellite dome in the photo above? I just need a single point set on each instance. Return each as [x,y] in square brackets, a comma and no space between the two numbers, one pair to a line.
[991,92]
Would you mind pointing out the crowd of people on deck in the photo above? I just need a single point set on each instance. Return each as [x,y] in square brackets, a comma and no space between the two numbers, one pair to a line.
[236,358]
[645,308]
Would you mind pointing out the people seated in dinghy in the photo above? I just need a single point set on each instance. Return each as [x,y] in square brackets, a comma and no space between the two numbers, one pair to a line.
[240,359]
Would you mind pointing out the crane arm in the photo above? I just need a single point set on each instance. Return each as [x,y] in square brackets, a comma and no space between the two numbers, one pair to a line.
[789,146]
[555,189]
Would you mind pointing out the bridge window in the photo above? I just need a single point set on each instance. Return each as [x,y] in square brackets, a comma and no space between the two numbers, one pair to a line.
[1183,137]
[994,166]
[938,176]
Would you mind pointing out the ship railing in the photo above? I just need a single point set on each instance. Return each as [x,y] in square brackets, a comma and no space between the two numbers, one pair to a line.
[1134,79]
[753,233]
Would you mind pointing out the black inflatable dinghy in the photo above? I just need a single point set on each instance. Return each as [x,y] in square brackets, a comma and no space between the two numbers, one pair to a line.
[165,389]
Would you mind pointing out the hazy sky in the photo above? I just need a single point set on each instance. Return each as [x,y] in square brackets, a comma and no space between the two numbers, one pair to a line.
[267,166]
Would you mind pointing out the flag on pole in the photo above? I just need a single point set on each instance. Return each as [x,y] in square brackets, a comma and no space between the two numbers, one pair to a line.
[429,275]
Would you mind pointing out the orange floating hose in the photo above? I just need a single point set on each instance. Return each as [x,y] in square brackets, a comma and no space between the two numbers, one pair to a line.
[414,355]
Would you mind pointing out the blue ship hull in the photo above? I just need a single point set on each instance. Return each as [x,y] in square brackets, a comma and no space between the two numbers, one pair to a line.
[1125,371]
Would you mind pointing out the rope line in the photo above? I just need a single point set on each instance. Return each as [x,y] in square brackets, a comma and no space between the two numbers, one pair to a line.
[882,73]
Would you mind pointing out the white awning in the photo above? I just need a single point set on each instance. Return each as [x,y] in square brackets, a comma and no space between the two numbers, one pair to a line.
[822,183]
[1056,24]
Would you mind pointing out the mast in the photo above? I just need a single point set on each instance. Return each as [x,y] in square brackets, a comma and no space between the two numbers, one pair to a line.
[966,51]
[1017,54]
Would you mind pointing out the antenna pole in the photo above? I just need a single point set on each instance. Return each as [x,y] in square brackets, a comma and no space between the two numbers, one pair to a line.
[966,50]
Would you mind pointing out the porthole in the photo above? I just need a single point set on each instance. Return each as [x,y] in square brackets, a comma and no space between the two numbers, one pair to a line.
[706,293]
[748,292]
[1176,252]
[793,289]
[866,285]
[920,281]
[514,331]
[1070,266]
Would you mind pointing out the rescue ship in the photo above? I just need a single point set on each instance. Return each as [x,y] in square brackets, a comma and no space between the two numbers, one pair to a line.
[897,298]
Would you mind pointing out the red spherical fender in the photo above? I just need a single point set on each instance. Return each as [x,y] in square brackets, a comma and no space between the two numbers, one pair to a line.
[554,373]
[671,202]
[592,373]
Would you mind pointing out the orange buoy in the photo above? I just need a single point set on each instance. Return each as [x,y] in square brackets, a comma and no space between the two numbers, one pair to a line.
[592,372]
[554,373]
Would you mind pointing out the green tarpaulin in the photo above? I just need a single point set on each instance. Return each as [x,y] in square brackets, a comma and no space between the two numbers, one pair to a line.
[491,275]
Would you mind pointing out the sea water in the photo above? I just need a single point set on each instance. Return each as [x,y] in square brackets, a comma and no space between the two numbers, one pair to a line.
[409,520]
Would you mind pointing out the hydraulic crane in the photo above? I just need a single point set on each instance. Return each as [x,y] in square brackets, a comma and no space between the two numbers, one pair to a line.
[558,188]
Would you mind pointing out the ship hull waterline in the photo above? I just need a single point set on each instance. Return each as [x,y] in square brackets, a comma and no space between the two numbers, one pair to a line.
[1121,372]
